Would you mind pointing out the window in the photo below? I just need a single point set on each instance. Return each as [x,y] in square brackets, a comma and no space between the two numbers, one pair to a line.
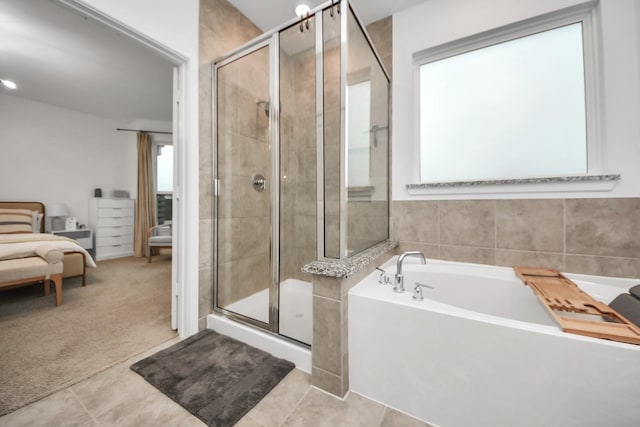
[164,169]
[164,183]
[511,106]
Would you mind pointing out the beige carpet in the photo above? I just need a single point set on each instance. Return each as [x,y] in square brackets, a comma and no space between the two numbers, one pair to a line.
[123,311]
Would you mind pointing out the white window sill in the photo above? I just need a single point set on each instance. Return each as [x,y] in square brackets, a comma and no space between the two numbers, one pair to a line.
[518,185]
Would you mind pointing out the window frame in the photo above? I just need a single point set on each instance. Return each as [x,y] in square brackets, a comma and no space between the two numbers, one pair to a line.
[158,146]
[584,14]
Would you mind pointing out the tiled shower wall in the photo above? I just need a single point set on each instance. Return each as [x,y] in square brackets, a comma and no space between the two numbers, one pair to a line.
[381,35]
[589,236]
[331,142]
[222,29]
[368,215]
[298,239]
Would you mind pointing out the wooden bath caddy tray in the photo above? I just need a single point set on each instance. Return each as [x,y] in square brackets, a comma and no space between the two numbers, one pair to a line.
[560,295]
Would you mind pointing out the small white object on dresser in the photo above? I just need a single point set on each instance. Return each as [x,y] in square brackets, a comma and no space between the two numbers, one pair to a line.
[112,220]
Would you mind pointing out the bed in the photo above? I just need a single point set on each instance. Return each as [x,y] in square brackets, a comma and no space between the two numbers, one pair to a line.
[20,244]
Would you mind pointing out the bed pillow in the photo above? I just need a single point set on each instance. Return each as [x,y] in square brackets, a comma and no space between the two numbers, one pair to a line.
[36,221]
[14,221]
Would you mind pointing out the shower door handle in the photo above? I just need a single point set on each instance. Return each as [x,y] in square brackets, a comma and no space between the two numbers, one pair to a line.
[258,182]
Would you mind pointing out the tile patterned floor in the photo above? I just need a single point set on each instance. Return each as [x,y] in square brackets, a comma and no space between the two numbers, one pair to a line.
[120,397]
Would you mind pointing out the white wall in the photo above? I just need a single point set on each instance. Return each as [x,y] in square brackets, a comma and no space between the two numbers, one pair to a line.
[55,155]
[436,22]
[173,24]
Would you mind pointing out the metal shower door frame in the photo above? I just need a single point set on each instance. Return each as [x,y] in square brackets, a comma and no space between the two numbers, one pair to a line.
[272,42]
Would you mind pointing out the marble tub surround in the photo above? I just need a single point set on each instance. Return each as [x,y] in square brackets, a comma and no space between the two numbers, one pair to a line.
[515,181]
[331,283]
[343,268]
[589,236]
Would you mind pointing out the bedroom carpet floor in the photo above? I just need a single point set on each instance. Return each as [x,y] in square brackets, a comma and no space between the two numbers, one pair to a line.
[123,311]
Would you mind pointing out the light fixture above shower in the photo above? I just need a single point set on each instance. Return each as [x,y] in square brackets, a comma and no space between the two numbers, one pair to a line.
[302,11]
[302,8]
[8,84]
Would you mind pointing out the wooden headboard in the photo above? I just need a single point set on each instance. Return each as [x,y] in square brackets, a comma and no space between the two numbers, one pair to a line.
[34,206]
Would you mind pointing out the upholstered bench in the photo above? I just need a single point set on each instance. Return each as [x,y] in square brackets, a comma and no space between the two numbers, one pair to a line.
[160,237]
[45,267]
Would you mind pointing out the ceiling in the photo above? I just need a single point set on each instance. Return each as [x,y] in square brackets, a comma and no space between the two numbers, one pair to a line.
[272,13]
[58,56]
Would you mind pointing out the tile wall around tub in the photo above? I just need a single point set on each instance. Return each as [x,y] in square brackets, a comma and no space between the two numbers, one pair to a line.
[588,236]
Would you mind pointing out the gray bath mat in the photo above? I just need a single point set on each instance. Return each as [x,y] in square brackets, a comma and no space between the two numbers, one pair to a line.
[216,378]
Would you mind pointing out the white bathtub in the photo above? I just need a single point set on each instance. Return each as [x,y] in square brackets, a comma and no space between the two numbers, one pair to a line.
[481,350]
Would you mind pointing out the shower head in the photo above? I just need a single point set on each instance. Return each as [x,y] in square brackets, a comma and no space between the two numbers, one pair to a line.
[265,105]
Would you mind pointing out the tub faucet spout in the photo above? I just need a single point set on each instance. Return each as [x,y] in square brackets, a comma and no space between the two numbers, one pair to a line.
[399,287]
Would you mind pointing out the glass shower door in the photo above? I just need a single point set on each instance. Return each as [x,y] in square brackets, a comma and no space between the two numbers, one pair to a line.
[244,185]
[298,179]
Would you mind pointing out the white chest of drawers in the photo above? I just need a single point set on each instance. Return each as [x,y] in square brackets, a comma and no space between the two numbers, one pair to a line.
[112,220]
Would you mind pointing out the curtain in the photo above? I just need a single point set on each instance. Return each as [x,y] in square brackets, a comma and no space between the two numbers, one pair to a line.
[146,204]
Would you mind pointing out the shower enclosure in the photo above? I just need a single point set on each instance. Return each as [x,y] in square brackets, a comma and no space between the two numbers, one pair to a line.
[300,164]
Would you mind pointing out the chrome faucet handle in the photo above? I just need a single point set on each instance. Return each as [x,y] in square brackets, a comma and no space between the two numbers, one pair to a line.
[383,279]
[417,291]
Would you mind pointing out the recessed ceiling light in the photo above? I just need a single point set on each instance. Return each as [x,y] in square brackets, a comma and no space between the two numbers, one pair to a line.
[9,84]
[302,9]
